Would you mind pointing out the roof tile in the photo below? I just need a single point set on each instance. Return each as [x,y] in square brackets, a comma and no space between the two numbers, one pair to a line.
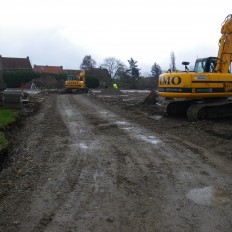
[48,69]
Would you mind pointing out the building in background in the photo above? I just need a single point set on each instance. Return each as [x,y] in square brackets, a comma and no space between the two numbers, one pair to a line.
[10,65]
[15,64]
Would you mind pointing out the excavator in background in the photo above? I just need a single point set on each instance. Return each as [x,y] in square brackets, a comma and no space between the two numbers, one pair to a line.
[204,93]
[76,83]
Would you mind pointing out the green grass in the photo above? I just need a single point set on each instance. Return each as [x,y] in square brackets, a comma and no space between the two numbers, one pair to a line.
[3,141]
[7,116]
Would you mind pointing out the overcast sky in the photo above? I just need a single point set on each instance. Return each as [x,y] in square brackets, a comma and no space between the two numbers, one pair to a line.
[62,32]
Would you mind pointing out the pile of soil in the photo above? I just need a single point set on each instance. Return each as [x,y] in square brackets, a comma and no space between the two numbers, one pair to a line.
[111,91]
[152,98]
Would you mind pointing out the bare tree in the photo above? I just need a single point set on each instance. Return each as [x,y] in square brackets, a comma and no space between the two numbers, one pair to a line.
[88,63]
[173,61]
[113,66]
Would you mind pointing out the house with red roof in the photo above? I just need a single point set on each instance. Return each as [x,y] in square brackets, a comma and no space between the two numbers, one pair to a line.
[48,69]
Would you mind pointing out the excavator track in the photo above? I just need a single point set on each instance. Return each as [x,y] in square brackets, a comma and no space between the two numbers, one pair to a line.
[178,108]
[210,111]
[198,110]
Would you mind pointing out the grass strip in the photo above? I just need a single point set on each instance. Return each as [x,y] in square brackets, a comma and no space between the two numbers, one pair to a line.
[3,141]
[7,116]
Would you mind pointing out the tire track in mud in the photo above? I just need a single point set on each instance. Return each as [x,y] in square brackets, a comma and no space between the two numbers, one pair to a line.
[53,198]
[125,200]
[52,195]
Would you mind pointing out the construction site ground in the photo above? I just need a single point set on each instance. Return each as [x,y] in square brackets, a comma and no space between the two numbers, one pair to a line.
[107,162]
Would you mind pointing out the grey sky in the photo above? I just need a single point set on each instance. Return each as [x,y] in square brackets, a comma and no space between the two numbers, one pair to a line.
[62,32]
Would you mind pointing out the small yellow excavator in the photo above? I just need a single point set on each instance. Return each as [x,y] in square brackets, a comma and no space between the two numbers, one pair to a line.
[204,93]
[76,83]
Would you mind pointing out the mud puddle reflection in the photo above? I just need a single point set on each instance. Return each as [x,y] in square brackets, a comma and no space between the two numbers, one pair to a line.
[156,117]
[209,196]
[138,134]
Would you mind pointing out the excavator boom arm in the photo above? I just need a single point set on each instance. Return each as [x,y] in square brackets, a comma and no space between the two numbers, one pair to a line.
[225,46]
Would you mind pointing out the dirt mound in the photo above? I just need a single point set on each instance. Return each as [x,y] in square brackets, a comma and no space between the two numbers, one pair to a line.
[111,91]
[152,98]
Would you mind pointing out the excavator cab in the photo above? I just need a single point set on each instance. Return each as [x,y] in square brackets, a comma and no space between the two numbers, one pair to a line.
[71,77]
[205,65]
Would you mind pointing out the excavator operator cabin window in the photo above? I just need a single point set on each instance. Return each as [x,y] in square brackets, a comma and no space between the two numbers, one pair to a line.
[199,66]
[205,65]
[212,66]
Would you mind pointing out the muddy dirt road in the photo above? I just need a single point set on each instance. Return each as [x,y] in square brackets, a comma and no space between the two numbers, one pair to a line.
[85,164]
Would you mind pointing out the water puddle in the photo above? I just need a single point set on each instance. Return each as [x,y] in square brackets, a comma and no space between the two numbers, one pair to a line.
[209,196]
[133,131]
[83,146]
[124,125]
[150,139]
[156,117]
[69,113]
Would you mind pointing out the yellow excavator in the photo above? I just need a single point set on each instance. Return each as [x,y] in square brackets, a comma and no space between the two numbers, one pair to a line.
[76,83]
[204,93]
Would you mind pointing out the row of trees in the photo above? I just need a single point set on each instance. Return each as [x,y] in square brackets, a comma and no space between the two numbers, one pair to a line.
[15,79]
[128,75]
[125,76]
